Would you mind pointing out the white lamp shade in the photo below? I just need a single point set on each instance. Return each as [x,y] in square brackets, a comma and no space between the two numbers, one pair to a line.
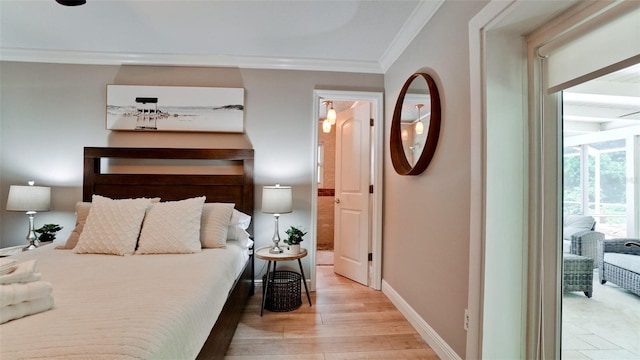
[29,198]
[276,199]
[419,127]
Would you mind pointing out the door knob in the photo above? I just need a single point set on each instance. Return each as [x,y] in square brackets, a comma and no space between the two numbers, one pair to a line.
[337,200]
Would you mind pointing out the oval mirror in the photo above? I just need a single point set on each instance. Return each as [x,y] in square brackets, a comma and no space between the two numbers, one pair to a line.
[415,126]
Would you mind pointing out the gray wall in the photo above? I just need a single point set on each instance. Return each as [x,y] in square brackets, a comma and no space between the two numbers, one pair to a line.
[426,227]
[49,112]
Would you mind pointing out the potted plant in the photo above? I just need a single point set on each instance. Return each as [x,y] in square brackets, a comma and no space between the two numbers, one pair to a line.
[48,232]
[294,239]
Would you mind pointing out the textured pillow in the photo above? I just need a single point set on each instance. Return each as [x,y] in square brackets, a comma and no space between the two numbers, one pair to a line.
[172,227]
[82,211]
[112,226]
[215,224]
[239,221]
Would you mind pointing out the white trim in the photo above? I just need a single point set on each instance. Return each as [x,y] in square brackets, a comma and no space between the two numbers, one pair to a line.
[437,343]
[477,28]
[411,28]
[378,138]
[247,62]
[423,12]
[633,186]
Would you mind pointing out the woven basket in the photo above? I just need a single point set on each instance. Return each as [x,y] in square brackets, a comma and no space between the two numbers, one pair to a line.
[283,294]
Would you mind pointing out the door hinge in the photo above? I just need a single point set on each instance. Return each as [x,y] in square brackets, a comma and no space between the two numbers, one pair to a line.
[370,257]
[371,122]
[370,189]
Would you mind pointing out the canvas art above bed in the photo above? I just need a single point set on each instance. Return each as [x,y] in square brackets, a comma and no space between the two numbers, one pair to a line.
[175,108]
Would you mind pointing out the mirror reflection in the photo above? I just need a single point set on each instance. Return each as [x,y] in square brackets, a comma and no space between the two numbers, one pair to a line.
[415,119]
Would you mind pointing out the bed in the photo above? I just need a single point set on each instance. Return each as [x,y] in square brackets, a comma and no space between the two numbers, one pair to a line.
[169,306]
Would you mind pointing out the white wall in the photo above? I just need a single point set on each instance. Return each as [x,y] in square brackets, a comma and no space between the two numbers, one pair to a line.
[426,226]
[49,112]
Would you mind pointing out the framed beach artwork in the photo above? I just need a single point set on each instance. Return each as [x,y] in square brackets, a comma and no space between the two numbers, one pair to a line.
[175,108]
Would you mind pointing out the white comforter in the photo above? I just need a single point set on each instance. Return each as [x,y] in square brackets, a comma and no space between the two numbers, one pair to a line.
[130,307]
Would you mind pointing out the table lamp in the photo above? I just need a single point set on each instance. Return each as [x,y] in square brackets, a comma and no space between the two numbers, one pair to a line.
[276,200]
[30,199]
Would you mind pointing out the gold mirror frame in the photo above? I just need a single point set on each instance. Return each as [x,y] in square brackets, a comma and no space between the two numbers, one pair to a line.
[398,156]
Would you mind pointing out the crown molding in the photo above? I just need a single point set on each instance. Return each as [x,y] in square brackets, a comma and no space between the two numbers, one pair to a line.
[414,24]
[248,62]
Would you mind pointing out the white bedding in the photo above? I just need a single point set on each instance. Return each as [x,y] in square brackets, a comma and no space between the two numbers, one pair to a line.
[125,307]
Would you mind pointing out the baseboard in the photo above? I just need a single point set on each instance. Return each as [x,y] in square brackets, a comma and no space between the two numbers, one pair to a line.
[429,335]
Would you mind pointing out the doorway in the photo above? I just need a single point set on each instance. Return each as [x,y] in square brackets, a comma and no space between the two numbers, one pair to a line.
[600,127]
[348,106]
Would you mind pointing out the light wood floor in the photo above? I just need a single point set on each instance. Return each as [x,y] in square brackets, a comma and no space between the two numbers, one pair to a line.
[347,321]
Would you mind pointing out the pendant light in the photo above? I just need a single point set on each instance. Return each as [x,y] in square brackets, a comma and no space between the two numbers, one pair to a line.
[404,135]
[331,113]
[419,124]
[326,126]
[71,2]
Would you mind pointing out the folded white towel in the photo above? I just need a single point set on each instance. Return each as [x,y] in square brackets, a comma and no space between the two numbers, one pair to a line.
[7,265]
[23,309]
[24,272]
[11,294]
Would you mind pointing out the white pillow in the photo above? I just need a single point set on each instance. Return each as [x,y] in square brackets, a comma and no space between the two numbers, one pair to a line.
[239,221]
[112,226]
[215,224]
[82,211]
[243,238]
[575,223]
[172,227]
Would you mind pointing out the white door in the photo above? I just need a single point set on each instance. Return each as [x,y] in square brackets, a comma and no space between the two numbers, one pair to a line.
[351,234]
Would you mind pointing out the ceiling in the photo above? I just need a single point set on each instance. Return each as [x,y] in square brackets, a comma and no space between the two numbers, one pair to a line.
[325,35]
[606,103]
[340,35]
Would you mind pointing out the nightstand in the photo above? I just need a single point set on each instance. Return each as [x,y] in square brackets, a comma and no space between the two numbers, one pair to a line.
[263,253]
[13,250]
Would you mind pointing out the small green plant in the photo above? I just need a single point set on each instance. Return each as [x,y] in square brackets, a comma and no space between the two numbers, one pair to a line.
[295,236]
[48,232]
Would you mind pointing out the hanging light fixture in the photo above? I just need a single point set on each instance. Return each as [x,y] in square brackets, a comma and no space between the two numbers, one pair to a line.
[71,2]
[419,124]
[326,126]
[331,113]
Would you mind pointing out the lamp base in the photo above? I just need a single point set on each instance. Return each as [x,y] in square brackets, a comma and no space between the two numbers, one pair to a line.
[275,250]
[31,236]
[30,247]
[276,238]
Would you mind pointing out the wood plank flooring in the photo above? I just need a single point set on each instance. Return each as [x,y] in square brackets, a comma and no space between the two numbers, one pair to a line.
[347,321]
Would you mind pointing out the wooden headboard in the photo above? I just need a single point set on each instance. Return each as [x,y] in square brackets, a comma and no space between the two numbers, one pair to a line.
[230,188]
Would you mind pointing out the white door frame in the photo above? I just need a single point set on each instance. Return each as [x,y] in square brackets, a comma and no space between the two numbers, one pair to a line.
[542,172]
[376,99]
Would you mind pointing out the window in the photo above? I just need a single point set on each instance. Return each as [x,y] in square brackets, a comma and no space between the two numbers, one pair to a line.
[595,184]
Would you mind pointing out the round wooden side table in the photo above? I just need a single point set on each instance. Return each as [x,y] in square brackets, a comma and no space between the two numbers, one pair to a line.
[263,253]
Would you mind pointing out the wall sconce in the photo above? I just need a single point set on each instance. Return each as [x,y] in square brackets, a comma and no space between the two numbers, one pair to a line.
[276,200]
[404,135]
[419,124]
[30,199]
